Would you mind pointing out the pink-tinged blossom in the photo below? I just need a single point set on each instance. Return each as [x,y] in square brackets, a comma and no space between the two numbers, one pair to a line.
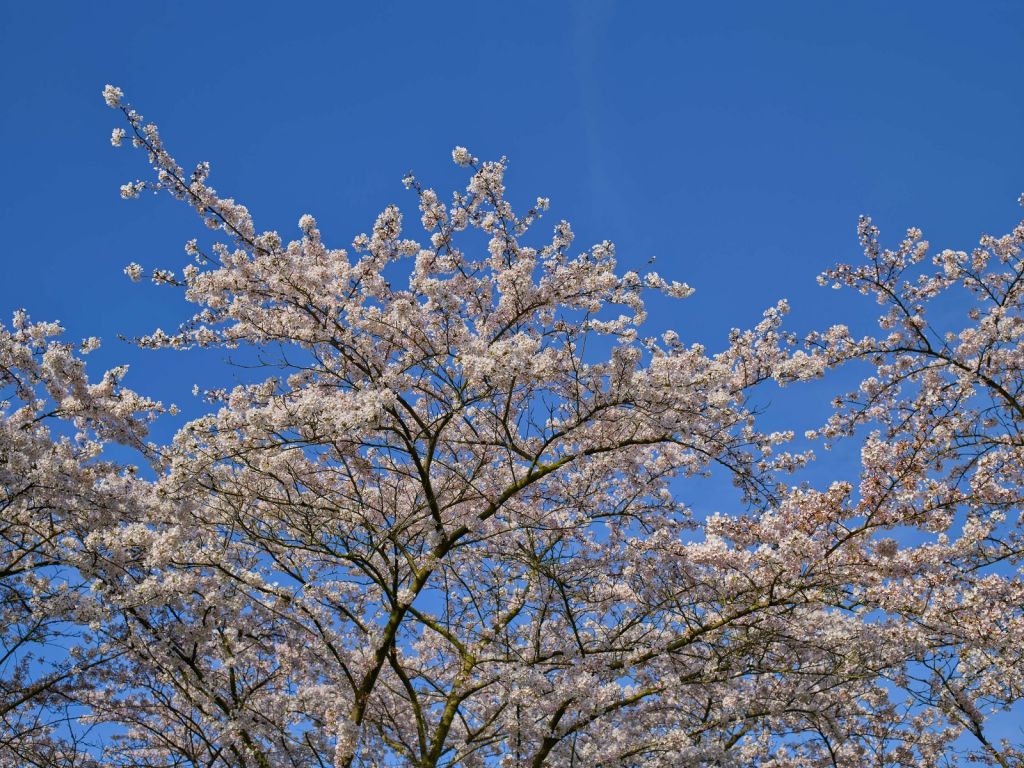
[134,272]
[461,156]
[112,95]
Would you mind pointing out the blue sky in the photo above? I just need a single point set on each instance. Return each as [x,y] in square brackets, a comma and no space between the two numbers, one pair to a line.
[737,142]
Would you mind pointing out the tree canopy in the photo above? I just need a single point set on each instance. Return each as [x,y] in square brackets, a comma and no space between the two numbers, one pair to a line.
[447,527]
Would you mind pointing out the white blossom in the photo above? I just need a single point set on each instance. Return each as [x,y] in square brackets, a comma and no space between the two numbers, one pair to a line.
[461,156]
[112,95]
[134,271]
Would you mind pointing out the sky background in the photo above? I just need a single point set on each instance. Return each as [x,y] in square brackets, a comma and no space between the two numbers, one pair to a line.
[735,142]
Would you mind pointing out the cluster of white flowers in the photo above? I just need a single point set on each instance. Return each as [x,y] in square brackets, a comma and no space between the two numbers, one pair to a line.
[132,189]
[461,156]
[162,277]
[113,96]
[134,271]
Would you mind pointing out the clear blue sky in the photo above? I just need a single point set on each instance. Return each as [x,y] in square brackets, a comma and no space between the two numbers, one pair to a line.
[737,142]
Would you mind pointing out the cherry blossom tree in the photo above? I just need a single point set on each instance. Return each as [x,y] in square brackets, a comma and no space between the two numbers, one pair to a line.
[55,487]
[448,527]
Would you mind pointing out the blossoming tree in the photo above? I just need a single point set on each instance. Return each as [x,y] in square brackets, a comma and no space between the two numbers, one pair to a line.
[448,531]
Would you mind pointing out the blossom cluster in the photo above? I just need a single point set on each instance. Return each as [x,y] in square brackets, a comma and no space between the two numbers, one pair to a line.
[449,530]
